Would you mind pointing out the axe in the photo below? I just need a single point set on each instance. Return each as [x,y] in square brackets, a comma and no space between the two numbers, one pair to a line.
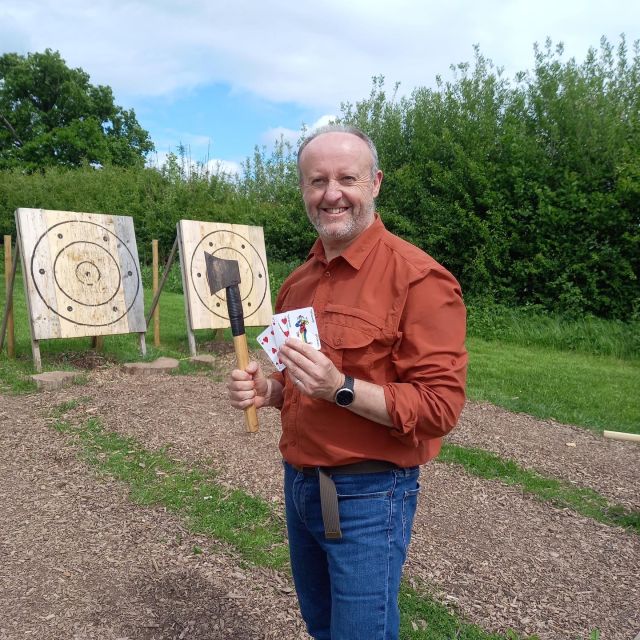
[225,274]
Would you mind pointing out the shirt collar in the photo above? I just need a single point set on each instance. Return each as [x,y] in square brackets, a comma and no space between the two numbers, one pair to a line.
[357,252]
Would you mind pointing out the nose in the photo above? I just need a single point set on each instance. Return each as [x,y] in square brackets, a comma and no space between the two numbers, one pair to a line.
[333,191]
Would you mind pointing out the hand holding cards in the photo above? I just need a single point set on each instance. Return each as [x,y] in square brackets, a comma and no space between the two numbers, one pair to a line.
[298,323]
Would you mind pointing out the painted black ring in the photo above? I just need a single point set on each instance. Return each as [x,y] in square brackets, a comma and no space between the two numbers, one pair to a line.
[196,252]
[121,242]
[86,304]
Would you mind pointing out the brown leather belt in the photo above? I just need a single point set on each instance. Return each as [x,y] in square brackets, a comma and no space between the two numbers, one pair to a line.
[328,493]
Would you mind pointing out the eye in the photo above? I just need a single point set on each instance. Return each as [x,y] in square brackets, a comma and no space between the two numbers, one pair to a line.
[318,182]
[347,181]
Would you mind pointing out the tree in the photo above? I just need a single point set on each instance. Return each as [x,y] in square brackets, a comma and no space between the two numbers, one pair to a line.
[50,115]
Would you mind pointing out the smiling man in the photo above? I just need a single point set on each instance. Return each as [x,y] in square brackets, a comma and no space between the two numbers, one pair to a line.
[360,416]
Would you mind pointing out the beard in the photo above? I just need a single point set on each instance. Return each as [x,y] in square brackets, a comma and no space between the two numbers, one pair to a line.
[347,229]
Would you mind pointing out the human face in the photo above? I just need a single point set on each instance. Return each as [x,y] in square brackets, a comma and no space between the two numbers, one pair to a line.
[338,188]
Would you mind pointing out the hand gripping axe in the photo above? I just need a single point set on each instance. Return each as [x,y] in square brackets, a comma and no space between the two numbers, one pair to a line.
[225,274]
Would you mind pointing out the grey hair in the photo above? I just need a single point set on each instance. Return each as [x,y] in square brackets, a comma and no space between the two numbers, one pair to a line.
[341,128]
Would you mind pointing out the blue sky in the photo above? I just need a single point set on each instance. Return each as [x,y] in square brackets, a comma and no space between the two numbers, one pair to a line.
[220,77]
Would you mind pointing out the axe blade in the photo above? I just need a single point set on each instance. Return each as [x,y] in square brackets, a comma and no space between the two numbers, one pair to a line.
[221,273]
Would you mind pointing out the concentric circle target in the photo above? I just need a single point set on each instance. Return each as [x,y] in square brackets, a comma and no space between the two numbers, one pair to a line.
[229,245]
[79,269]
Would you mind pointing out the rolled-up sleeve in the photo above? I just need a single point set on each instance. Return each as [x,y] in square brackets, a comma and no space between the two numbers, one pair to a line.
[430,360]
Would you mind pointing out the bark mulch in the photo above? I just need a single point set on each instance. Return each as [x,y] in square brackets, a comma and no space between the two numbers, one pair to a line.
[78,560]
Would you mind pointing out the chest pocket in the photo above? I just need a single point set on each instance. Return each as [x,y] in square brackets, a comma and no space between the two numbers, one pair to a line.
[354,339]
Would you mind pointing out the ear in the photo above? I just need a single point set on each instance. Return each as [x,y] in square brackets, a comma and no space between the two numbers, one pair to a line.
[377,181]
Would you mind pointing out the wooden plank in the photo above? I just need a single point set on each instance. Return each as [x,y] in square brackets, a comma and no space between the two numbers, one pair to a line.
[242,243]
[131,274]
[187,307]
[31,227]
[622,435]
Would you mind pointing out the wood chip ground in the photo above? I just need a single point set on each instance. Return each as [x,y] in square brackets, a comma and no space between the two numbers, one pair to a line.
[79,561]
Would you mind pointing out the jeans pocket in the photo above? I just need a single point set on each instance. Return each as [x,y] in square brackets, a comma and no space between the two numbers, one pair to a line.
[409,506]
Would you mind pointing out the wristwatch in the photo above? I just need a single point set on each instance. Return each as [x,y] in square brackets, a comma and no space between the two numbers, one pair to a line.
[345,395]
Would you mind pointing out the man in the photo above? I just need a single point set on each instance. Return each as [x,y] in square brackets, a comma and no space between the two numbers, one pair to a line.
[361,415]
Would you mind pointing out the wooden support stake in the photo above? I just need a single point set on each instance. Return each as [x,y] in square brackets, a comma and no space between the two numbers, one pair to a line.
[165,274]
[156,312]
[8,281]
[97,343]
[621,435]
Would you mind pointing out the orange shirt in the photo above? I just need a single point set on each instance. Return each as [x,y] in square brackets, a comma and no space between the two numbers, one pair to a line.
[390,314]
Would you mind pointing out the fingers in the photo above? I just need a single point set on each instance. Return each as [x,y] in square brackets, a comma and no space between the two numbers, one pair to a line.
[310,370]
[245,386]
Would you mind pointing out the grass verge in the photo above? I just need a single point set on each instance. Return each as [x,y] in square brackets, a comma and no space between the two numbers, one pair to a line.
[598,392]
[247,523]
[559,493]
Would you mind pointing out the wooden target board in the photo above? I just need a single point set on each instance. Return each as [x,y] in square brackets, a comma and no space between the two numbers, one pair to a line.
[242,243]
[82,274]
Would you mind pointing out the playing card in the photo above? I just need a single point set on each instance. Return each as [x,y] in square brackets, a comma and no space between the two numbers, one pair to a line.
[267,341]
[298,323]
[281,327]
[303,326]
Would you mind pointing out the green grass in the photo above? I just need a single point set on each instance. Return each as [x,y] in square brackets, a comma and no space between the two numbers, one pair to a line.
[531,326]
[559,493]
[427,619]
[249,524]
[598,392]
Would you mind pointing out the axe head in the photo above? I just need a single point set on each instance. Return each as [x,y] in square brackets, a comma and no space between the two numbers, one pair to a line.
[221,274]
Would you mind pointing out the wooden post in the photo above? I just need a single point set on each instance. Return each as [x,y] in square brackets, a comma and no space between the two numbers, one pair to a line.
[8,267]
[156,312]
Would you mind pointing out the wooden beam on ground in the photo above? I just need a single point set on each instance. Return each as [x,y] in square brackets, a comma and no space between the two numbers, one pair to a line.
[621,435]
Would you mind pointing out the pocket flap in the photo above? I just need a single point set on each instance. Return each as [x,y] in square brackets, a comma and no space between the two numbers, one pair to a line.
[340,336]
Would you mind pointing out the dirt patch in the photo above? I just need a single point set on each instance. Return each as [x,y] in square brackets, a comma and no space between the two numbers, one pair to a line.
[505,559]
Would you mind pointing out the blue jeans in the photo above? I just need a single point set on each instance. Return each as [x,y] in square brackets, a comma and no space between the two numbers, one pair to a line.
[348,588]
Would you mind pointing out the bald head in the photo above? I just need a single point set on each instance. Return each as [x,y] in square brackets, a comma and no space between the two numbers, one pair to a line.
[341,128]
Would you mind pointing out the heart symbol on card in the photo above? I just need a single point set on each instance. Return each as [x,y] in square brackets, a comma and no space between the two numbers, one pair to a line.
[274,350]
[283,320]
[265,339]
[286,333]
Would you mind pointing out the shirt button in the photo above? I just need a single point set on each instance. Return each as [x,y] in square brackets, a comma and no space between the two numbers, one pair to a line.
[327,274]
[338,340]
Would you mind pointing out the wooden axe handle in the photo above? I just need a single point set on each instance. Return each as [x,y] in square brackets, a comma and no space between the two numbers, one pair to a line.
[242,358]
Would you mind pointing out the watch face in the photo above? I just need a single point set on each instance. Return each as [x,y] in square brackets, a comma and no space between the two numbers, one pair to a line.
[344,397]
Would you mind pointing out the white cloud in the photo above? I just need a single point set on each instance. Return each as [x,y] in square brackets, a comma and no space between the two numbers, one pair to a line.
[224,166]
[322,121]
[293,136]
[298,52]
[271,136]
[212,166]
[314,57]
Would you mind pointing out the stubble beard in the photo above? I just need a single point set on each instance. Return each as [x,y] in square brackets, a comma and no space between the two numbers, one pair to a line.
[348,229]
